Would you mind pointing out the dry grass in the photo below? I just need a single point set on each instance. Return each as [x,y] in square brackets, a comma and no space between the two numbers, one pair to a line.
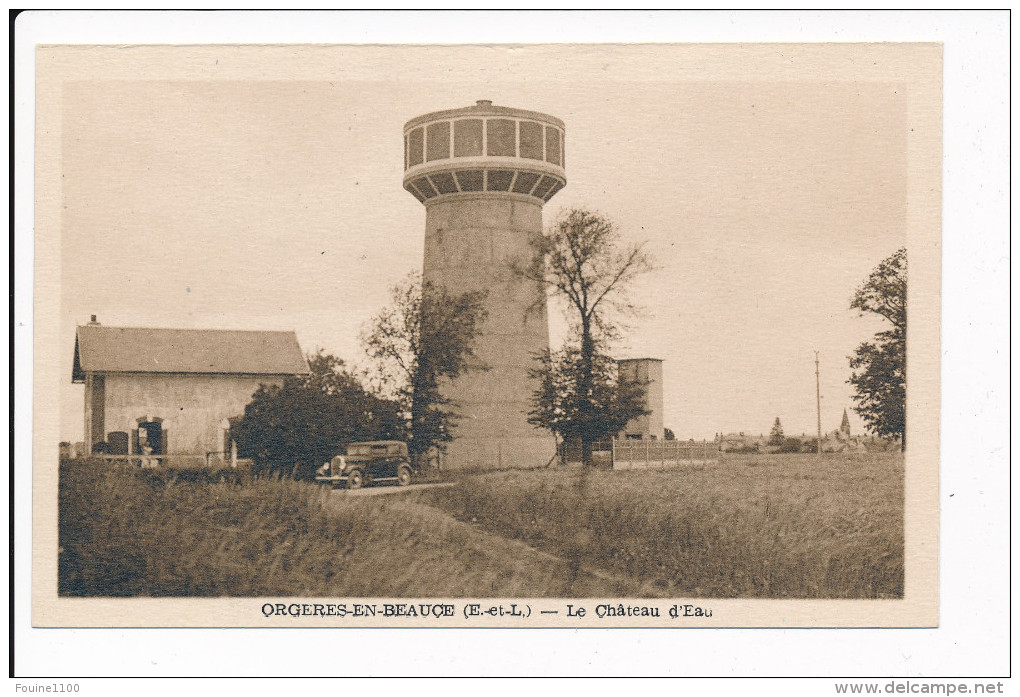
[789,526]
[127,532]
[750,526]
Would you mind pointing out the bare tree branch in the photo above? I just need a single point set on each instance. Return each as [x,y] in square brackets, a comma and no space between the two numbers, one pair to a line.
[578,260]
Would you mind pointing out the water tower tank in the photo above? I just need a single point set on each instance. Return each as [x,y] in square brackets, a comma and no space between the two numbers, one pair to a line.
[483,173]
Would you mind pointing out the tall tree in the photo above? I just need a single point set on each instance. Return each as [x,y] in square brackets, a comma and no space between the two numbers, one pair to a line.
[583,260]
[776,434]
[880,366]
[575,415]
[296,426]
[425,336]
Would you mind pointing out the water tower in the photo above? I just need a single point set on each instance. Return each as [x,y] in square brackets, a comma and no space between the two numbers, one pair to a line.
[484,172]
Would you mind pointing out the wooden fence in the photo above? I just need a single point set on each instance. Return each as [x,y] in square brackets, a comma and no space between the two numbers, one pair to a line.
[648,454]
[213,460]
[643,454]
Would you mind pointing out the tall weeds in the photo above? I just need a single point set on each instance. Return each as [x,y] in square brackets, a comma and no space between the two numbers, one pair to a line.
[787,527]
[129,532]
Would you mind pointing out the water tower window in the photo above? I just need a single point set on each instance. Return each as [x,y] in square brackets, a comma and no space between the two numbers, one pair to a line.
[552,191]
[439,141]
[525,180]
[444,182]
[425,187]
[414,192]
[543,187]
[502,137]
[499,180]
[470,180]
[552,145]
[531,140]
[415,144]
[467,138]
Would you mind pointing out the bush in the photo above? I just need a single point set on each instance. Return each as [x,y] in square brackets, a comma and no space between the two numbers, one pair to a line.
[790,445]
[290,430]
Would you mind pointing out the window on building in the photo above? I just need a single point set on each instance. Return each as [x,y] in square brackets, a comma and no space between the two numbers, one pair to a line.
[499,180]
[552,145]
[470,180]
[467,138]
[444,182]
[501,137]
[415,147]
[425,187]
[531,140]
[438,141]
[151,438]
[543,186]
[525,181]
[552,191]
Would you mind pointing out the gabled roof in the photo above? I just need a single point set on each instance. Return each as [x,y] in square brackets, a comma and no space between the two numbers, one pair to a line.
[218,351]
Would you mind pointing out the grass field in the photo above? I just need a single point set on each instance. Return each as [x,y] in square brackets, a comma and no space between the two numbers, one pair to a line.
[750,526]
[130,532]
[790,526]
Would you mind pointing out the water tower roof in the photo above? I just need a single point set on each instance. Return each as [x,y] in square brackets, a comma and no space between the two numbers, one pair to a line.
[484,150]
[483,107]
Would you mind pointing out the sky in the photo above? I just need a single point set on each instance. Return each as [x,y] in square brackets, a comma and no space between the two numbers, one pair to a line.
[277,204]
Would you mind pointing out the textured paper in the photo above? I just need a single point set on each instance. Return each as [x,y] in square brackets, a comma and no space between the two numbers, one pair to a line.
[409,80]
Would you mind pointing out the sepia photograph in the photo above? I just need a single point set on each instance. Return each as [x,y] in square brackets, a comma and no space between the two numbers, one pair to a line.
[510,343]
[335,323]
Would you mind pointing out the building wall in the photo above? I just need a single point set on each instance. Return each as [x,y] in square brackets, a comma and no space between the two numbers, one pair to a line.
[470,241]
[94,403]
[191,406]
[645,370]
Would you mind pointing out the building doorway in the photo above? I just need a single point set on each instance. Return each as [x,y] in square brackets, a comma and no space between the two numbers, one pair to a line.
[150,438]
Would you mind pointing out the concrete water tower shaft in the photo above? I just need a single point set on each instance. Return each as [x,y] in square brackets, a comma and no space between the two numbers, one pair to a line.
[484,172]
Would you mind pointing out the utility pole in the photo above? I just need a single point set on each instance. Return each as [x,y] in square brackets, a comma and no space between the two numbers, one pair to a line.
[818,404]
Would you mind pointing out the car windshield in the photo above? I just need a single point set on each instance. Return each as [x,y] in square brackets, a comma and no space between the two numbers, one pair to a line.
[377,449]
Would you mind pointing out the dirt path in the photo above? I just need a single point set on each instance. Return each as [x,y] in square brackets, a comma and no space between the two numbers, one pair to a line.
[590,581]
[585,573]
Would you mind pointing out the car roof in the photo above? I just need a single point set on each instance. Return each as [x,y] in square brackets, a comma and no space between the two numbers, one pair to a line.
[379,442]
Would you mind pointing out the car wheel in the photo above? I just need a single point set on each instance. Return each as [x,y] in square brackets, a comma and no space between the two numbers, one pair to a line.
[403,476]
[355,479]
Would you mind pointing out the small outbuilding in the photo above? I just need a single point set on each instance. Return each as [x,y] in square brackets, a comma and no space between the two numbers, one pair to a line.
[171,393]
[647,372]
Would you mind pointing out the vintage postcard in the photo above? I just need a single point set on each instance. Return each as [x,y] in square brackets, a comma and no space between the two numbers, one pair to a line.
[487,335]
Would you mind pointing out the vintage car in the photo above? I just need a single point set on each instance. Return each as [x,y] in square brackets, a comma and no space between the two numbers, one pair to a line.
[364,463]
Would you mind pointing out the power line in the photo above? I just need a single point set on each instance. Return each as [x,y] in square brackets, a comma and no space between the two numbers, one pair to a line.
[818,403]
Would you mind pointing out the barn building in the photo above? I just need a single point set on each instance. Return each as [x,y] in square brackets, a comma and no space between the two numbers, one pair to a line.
[172,392]
[647,371]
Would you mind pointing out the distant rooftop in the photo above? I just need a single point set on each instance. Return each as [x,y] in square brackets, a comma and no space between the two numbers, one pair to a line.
[217,351]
